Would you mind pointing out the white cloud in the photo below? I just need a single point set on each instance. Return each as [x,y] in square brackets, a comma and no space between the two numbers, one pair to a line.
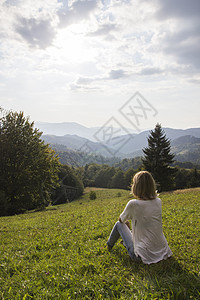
[151,71]
[178,9]
[76,12]
[104,30]
[51,49]
[182,38]
[38,33]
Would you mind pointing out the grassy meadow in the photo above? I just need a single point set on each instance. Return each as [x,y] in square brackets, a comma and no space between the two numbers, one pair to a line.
[60,253]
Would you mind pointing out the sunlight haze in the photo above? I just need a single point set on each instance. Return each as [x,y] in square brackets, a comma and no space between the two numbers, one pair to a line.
[81,61]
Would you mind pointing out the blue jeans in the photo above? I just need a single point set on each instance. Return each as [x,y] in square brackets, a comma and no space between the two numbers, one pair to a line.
[121,229]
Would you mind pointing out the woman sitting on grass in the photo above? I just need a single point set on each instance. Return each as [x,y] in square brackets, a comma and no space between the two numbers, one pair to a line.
[146,242]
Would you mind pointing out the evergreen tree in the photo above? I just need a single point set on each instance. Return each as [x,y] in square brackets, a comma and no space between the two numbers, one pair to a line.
[157,159]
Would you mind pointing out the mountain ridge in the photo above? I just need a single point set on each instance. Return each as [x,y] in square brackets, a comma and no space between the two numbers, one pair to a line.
[63,128]
[183,142]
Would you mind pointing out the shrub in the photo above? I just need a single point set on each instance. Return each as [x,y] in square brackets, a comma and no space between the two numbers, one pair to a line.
[92,195]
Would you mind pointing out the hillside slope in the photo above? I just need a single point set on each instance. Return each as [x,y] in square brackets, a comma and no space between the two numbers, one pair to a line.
[60,253]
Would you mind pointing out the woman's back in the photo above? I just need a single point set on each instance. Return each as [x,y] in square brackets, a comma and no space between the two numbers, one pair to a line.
[146,241]
[148,238]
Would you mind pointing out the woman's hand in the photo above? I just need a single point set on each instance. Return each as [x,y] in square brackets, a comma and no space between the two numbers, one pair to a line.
[128,224]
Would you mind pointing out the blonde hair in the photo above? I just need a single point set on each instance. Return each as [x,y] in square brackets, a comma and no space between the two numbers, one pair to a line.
[144,186]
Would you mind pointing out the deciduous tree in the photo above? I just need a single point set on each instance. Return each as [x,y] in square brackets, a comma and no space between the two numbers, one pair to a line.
[118,181]
[28,167]
[71,187]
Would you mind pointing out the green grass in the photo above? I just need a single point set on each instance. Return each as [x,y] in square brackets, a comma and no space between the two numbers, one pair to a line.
[59,253]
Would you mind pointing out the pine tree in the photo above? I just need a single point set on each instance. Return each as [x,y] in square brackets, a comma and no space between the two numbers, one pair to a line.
[157,159]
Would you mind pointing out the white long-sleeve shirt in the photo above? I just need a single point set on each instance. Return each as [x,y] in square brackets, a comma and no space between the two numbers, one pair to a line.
[148,238]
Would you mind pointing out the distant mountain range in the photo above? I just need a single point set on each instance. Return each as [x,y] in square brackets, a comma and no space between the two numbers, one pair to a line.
[72,128]
[61,129]
[185,143]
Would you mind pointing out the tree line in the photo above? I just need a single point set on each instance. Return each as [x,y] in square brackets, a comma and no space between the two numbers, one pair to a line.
[105,176]
[32,176]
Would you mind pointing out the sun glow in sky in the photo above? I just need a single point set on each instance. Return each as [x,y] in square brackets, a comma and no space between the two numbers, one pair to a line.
[73,47]
[81,60]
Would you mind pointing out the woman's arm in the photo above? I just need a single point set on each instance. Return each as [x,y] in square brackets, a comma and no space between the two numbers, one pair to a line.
[127,223]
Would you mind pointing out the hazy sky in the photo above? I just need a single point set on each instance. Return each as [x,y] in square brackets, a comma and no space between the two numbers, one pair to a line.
[81,61]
